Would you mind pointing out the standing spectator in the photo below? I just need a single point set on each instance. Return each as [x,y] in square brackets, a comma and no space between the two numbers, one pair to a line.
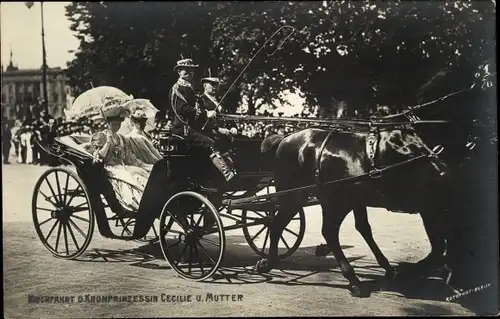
[22,144]
[15,136]
[26,145]
[6,142]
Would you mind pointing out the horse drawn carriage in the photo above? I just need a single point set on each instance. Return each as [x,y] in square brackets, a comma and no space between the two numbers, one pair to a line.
[365,150]
[69,202]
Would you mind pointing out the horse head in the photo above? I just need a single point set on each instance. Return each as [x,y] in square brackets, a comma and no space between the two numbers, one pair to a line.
[399,145]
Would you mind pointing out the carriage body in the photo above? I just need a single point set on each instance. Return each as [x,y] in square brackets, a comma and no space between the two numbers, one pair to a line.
[91,186]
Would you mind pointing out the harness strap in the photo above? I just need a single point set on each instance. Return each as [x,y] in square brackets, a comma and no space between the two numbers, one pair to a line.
[317,173]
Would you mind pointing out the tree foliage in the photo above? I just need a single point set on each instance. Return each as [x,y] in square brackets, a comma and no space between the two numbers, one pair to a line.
[363,54]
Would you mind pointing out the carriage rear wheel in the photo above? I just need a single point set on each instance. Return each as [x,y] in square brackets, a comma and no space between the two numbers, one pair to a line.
[61,200]
[258,236]
[192,236]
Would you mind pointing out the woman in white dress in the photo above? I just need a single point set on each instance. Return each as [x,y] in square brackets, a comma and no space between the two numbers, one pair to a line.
[127,169]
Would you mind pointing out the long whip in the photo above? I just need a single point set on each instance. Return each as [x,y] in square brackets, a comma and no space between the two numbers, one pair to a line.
[253,57]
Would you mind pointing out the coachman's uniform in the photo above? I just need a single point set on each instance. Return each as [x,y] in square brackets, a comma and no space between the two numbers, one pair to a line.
[210,104]
[188,120]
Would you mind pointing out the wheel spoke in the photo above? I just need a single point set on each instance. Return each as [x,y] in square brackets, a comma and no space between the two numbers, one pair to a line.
[66,239]
[176,220]
[199,220]
[45,209]
[182,254]
[51,230]
[80,209]
[58,235]
[292,232]
[265,241]
[284,241]
[73,196]
[190,258]
[45,221]
[52,191]
[205,251]
[81,218]
[154,231]
[177,243]
[260,215]
[47,198]
[200,262]
[77,228]
[258,233]
[192,220]
[78,206]
[58,187]
[209,241]
[73,236]
[66,189]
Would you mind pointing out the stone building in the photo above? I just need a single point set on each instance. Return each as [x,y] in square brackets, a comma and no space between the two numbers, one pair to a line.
[22,92]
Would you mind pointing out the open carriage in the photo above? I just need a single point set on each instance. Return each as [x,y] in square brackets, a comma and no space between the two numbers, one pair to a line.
[69,202]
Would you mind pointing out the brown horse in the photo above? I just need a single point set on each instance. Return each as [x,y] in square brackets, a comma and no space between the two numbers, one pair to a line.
[317,156]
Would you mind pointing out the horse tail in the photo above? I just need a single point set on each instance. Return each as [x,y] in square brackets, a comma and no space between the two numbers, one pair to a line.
[270,144]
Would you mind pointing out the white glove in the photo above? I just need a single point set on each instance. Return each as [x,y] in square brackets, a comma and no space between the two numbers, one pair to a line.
[210,114]
[233,131]
[223,131]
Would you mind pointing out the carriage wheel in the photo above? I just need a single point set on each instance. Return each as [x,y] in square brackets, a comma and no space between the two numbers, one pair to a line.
[258,238]
[192,236]
[61,200]
[128,231]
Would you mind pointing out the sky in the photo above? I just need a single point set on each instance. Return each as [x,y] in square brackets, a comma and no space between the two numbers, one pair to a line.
[21,31]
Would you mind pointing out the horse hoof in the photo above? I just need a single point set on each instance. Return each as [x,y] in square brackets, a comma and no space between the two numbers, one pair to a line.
[322,250]
[358,292]
[262,266]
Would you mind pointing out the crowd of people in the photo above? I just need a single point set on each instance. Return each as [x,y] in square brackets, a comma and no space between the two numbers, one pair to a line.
[23,139]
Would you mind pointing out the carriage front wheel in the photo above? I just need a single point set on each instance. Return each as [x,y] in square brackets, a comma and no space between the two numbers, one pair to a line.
[257,233]
[61,200]
[192,236]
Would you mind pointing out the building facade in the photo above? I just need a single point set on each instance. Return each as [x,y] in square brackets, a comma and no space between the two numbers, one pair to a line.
[22,92]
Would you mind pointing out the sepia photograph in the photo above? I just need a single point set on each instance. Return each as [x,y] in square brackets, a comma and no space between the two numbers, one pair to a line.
[249,159]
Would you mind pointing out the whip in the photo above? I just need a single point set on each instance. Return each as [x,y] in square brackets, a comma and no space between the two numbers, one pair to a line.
[253,57]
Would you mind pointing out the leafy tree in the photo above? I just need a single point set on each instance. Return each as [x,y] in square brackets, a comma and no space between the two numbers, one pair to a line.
[362,54]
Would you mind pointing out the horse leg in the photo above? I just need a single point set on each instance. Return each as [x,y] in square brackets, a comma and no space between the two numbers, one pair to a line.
[364,228]
[332,220]
[436,258]
[437,241]
[280,221]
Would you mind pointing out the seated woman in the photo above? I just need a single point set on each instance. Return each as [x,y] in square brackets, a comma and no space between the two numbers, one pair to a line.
[127,172]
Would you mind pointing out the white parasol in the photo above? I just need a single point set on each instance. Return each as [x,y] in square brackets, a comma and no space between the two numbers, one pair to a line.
[98,102]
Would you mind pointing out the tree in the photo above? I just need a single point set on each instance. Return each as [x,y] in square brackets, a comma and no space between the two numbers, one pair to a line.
[362,54]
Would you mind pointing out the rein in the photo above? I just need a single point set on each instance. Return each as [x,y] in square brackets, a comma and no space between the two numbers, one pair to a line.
[353,179]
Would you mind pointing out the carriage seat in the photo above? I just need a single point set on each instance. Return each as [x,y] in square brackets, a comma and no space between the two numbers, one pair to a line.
[76,142]
[173,145]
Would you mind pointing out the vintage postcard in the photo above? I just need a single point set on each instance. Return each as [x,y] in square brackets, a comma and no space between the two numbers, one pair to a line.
[244,158]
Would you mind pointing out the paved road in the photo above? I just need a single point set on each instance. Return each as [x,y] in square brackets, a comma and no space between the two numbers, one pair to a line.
[304,284]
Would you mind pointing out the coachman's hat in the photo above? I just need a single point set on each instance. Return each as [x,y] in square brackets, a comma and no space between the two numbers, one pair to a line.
[185,63]
[211,80]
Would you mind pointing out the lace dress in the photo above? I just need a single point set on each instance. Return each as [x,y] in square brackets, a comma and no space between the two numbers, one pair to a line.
[127,174]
